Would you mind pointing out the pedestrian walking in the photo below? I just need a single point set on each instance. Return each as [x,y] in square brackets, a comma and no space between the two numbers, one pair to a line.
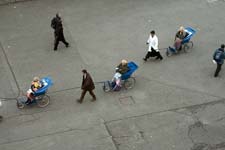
[153,50]
[218,58]
[56,24]
[87,85]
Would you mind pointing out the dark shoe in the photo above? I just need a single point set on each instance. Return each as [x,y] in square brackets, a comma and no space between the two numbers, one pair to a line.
[94,99]
[161,58]
[55,49]
[67,45]
[144,59]
[156,58]
[79,101]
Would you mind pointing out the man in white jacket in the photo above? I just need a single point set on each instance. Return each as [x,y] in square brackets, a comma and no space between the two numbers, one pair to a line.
[153,50]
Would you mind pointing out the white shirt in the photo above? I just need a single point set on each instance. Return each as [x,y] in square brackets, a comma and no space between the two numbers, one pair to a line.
[152,43]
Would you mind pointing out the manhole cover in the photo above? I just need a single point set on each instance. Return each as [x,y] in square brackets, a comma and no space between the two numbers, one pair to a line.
[128,100]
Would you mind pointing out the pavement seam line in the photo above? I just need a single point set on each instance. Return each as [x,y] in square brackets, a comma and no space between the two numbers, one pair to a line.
[168,110]
[183,88]
[110,134]
[14,2]
[12,72]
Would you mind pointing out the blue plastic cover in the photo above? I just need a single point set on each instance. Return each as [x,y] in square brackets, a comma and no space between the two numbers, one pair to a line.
[191,32]
[47,82]
[133,67]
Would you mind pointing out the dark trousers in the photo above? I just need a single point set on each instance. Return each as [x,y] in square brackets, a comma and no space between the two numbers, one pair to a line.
[84,92]
[153,53]
[60,38]
[218,68]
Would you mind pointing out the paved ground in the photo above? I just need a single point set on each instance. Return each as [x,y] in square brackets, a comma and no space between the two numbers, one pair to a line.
[176,104]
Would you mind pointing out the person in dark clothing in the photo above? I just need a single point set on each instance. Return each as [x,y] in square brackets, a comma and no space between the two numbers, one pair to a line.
[87,85]
[56,24]
[218,58]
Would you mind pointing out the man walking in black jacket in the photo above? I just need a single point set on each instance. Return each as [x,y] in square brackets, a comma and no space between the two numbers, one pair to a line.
[56,24]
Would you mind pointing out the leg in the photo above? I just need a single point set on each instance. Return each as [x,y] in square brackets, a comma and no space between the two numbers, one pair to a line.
[93,95]
[159,56]
[64,41]
[82,96]
[147,56]
[56,43]
[177,44]
[217,69]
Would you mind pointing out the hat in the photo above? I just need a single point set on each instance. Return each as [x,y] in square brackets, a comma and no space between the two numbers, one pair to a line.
[124,61]
[84,71]
[35,79]
[222,46]
[152,32]
[181,28]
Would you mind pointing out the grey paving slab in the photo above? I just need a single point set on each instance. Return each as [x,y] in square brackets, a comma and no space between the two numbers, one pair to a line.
[181,129]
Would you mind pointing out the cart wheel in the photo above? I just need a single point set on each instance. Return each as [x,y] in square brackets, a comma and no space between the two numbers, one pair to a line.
[188,46]
[20,105]
[44,101]
[129,83]
[168,53]
[106,87]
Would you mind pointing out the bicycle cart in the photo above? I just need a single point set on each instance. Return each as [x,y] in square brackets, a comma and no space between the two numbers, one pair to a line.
[127,80]
[186,44]
[40,96]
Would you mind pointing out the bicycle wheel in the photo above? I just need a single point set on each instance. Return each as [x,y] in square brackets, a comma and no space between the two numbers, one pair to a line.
[129,83]
[168,53]
[20,105]
[107,86]
[44,101]
[188,46]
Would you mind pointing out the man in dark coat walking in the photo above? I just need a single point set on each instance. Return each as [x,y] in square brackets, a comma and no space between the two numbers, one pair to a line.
[218,58]
[56,24]
[87,85]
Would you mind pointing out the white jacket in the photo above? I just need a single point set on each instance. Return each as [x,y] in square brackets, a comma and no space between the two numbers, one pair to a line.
[152,43]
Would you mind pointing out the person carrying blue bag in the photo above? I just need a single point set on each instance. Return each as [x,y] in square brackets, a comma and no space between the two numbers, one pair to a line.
[218,58]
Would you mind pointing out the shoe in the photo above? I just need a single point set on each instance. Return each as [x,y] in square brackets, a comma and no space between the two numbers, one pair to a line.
[161,58]
[67,45]
[156,58]
[55,49]
[94,99]
[79,101]
[144,59]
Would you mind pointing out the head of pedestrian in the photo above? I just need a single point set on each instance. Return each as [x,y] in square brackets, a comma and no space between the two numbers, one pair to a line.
[181,29]
[58,15]
[84,71]
[124,62]
[222,46]
[152,33]
[36,82]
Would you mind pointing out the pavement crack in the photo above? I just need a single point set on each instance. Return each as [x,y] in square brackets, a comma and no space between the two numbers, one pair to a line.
[110,134]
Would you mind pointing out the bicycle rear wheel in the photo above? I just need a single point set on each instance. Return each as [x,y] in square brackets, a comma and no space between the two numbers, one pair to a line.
[43,102]
[188,46]
[129,83]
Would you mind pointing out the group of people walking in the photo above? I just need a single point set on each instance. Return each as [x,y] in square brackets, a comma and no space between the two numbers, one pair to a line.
[153,51]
